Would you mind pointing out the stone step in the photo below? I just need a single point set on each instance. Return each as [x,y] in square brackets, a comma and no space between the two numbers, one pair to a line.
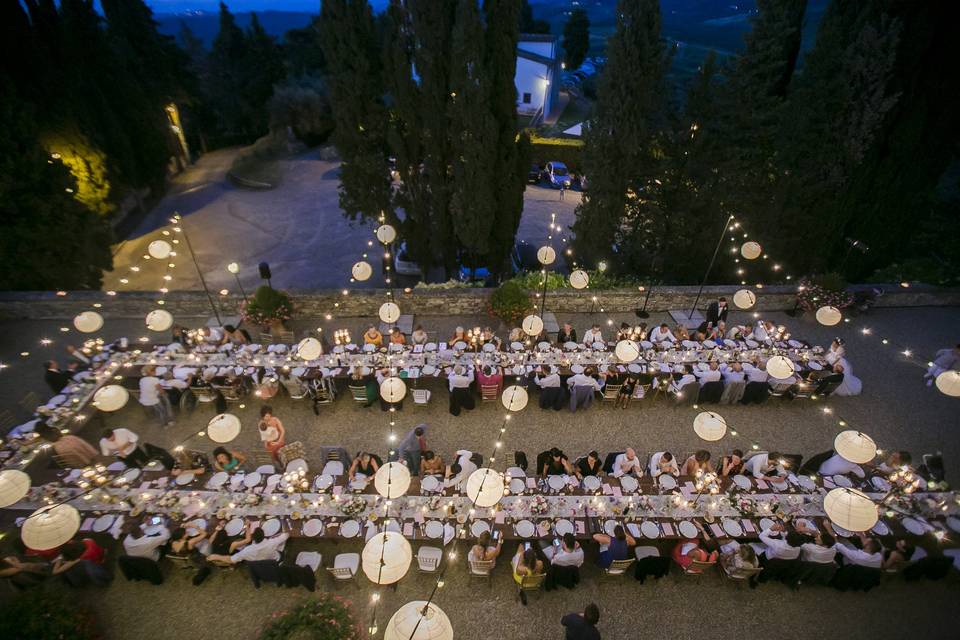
[682,316]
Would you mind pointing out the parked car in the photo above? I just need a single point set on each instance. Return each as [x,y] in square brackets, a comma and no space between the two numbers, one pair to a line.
[402,263]
[533,176]
[558,175]
[523,257]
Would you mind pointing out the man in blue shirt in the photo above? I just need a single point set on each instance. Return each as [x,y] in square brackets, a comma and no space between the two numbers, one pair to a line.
[582,626]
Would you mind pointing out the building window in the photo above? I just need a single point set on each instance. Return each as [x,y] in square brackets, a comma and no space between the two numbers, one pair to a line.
[526,98]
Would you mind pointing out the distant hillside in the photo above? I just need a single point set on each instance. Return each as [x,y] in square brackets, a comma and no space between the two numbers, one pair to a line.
[205,25]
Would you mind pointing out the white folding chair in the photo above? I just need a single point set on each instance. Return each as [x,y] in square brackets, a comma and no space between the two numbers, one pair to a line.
[421,396]
[428,558]
[309,559]
[646,552]
[345,566]
[481,569]
[332,468]
[618,567]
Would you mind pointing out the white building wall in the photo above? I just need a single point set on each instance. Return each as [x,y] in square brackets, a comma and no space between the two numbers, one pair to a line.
[530,78]
[544,49]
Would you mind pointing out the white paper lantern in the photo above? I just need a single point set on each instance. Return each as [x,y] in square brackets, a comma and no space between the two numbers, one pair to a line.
[393,389]
[159,249]
[233,268]
[159,320]
[309,349]
[361,271]
[546,255]
[223,428]
[751,250]
[514,398]
[780,367]
[855,447]
[14,485]
[627,350]
[949,383]
[88,322]
[579,279]
[485,487]
[418,621]
[744,298]
[386,234]
[532,325]
[110,397]
[389,312]
[829,316]
[386,557]
[850,509]
[50,527]
[392,480]
[709,426]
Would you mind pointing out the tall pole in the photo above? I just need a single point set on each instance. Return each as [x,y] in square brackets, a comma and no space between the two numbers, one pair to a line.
[709,267]
[200,273]
[244,293]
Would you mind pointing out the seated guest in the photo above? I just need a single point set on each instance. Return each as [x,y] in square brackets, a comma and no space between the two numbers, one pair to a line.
[698,462]
[625,332]
[661,333]
[869,555]
[627,389]
[526,563]
[459,335]
[819,549]
[738,560]
[419,336]
[614,548]
[764,465]
[491,377]
[556,464]
[732,464]
[489,337]
[364,464]
[611,376]
[256,546]
[756,371]
[826,379]
[712,374]
[189,461]
[124,444]
[76,452]
[86,553]
[627,464]
[734,373]
[230,461]
[569,553]
[551,394]
[458,472]
[566,334]
[688,378]
[430,464]
[582,387]
[778,546]
[589,465]
[680,333]
[373,336]
[838,465]
[592,335]
[945,360]
[195,548]
[234,336]
[483,551]
[397,337]
[517,335]
[138,544]
[688,551]
[895,461]
[585,379]
[663,462]
[54,377]
[900,554]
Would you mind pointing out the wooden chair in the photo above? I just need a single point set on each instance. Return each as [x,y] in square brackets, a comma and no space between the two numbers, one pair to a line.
[531,584]
[421,397]
[697,568]
[742,576]
[619,567]
[611,392]
[359,394]
[266,338]
[229,392]
[481,569]
[489,393]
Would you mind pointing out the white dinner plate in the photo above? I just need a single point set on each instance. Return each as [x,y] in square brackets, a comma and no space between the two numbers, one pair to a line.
[796,344]
[807,483]
[312,527]
[251,479]
[629,484]
[779,485]
[184,478]
[570,346]
[489,347]
[459,345]
[881,528]
[732,527]
[543,346]
[667,481]
[765,523]
[742,481]
[433,529]
[687,529]
[609,526]
[525,529]
[842,481]
[954,523]
[556,482]
[430,346]
[516,346]
[428,370]
[709,344]
[430,483]
[323,481]
[358,484]
[234,527]
[599,346]
[392,525]
[218,479]
[689,344]
[591,483]
[840,531]
[646,344]
[131,474]
[576,368]
[753,344]
[650,529]
[880,483]
[103,523]
[730,343]
[815,366]
[914,526]
[349,529]
[563,527]
[296,465]
[633,367]
[479,526]
[517,485]
[271,527]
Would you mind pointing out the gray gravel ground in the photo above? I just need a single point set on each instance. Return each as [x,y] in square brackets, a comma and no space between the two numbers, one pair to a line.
[896,409]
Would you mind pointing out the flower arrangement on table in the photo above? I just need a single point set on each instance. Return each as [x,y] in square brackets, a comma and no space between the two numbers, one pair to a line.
[353,507]
[746,506]
[539,505]
[434,503]
[267,307]
[252,499]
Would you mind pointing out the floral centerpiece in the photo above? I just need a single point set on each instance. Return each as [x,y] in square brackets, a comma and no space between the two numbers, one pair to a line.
[267,307]
[539,505]
[353,507]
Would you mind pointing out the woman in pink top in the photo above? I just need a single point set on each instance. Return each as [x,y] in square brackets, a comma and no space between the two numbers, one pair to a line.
[491,376]
[271,431]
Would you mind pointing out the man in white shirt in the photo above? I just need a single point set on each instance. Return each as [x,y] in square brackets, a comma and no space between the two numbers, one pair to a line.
[568,554]
[669,464]
[258,548]
[710,375]
[661,333]
[688,378]
[154,397]
[144,546]
[764,465]
[776,546]
[733,373]
[461,377]
[123,444]
[459,471]
[583,380]
[627,463]
[820,550]
[837,465]
[756,372]
[547,379]
[592,335]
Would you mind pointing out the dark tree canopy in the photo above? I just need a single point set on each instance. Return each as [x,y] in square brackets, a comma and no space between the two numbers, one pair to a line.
[576,39]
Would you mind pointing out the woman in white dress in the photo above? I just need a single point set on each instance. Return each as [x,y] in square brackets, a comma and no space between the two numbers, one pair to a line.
[836,352]
[851,385]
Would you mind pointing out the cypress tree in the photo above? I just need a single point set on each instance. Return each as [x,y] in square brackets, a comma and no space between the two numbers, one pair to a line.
[576,38]
[226,82]
[264,69]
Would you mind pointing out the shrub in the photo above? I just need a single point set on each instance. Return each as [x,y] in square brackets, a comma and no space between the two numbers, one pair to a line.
[510,302]
[326,617]
[39,613]
[565,150]
[266,306]
[599,281]
[822,290]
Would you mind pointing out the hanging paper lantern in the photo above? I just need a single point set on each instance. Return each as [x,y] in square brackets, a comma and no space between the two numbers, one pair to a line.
[159,320]
[309,349]
[50,527]
[88,322]
[485,487]
[386,234]
[949,383]
[855,447]
[514,398]
[389,312]
[392,480]
[14,485]
[361,271]
[159,249]
[579,279]
[780,367]
[751,250]
[386,557]
[829,316]
[110,397]
[709,426]
[223,428]
[418,620]
[546,255]
[850,509]
[627,350]
[393,389]
[744,298]
[233,268]
[532,325]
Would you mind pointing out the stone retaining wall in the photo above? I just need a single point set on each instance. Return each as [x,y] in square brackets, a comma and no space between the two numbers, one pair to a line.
[445,302]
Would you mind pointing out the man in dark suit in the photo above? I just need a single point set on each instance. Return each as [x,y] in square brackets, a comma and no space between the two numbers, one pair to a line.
[55,378]
[717,311]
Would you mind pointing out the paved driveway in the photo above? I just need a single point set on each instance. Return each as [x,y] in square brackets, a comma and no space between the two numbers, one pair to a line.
[298,228]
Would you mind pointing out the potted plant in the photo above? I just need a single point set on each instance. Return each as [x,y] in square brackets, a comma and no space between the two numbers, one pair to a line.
[42,613]
[267,308]
[510,302]
[326,617]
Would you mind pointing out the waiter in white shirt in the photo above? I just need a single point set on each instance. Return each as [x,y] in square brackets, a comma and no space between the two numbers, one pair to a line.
[627,463]
[871,555]
[144,546]
[123,444]
[776,546]
[837,465]
[661,333]
[459,471]
[592,335]
[461,377]
[710,375]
